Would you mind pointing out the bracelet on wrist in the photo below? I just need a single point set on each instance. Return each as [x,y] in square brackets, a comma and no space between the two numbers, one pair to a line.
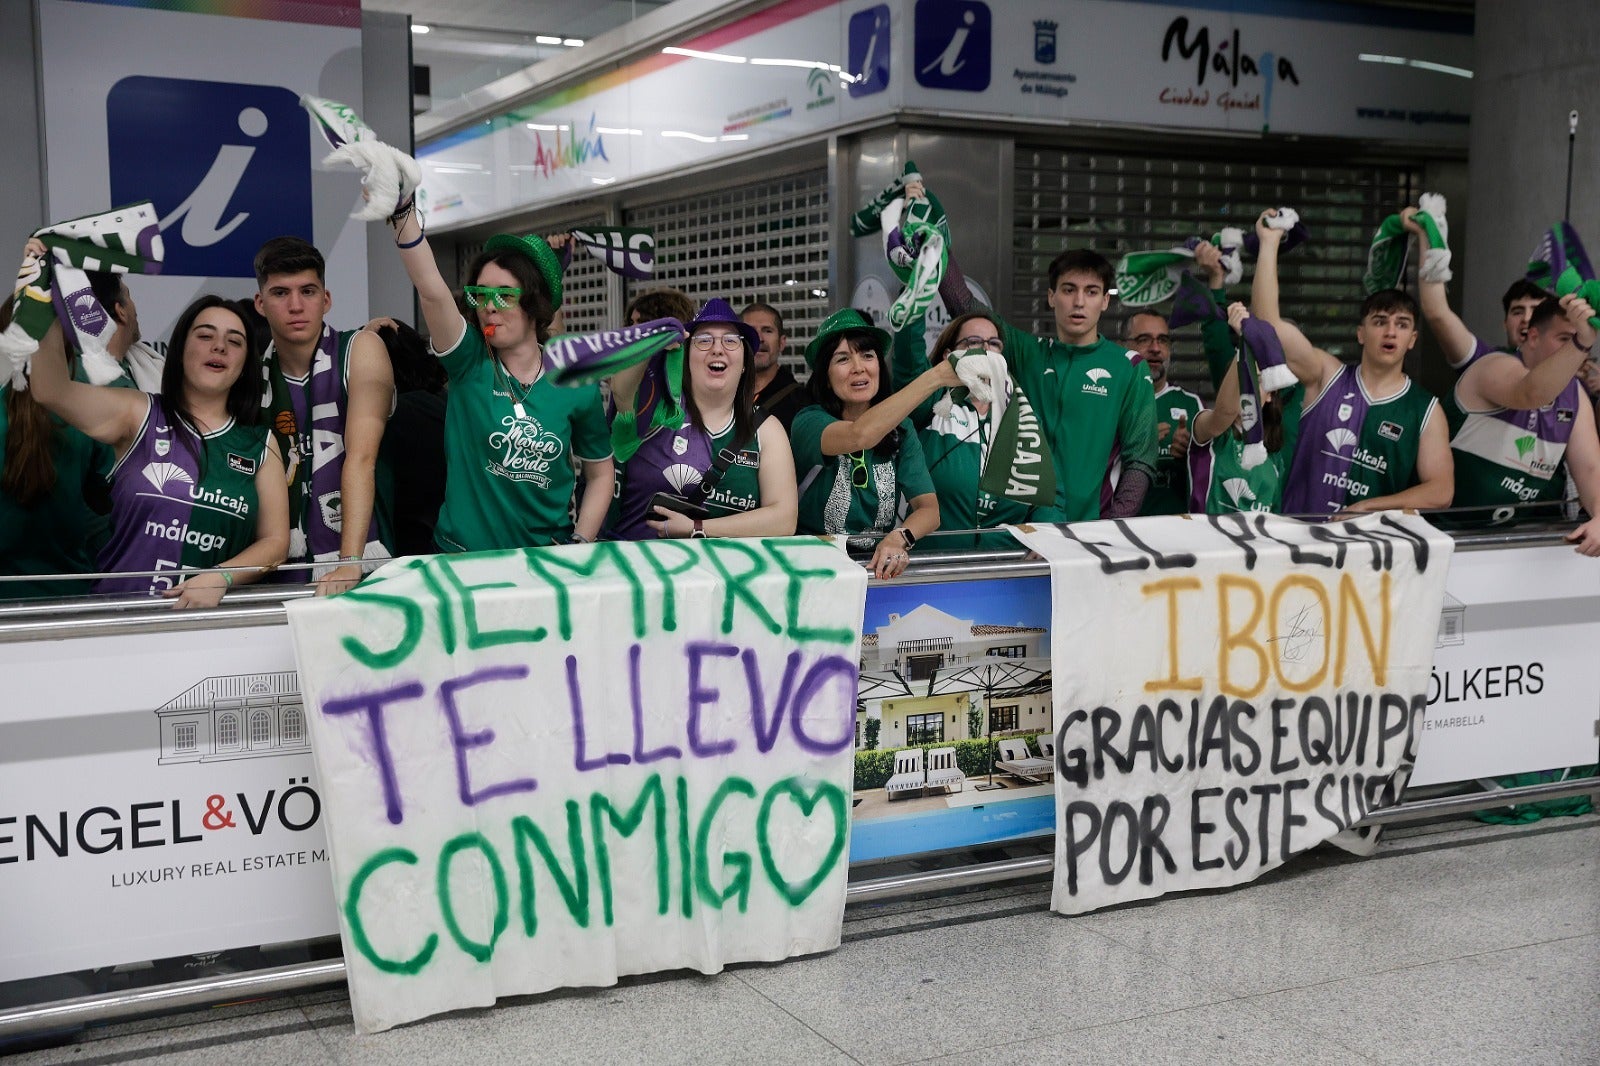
[227,579]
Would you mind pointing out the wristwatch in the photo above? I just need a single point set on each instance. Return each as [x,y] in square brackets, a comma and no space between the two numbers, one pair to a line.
[699,529]
[908,537]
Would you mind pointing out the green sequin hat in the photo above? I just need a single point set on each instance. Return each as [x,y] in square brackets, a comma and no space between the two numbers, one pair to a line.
[544,259]
[844,321]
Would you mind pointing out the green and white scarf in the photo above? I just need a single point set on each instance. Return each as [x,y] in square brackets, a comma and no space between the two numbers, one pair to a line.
[1018,465]
[1386,259]
[124,240]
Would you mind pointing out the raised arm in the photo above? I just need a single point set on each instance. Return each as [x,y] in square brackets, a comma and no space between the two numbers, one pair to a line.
[371,399]
[841,438]
[439,311]
[625,385]
[1455,339]
[1502,381]
[110,416]
[1212,422]
[1313,366]
[910,360]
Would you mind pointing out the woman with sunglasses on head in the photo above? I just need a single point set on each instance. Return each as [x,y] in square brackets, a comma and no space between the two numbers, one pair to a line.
[956,437]
[197,483]
[856,453]
[510,433]
[731,470]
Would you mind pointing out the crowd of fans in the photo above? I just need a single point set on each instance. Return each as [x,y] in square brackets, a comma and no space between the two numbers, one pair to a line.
[271,446]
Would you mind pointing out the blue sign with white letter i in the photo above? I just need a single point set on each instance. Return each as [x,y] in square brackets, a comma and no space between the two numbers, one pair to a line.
[869,50]
[227,166]
[952,43]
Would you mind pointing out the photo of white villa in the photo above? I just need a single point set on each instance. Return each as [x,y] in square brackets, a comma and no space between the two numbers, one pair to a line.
[933,680]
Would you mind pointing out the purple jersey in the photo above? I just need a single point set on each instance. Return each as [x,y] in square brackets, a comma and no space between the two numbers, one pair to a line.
[180,500]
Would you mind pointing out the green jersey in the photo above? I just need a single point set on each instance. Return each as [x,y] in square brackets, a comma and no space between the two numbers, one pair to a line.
[52,535]
[1098,410]
[1506,457]
[956,447]
[1221,483]
[1216,339]
[509,451]
[1169,488]
[854,493]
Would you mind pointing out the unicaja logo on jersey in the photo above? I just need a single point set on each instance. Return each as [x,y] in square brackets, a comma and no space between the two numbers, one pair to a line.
[1238,490]
[227,166]
[1096,375]
[1340,439]
[159,474]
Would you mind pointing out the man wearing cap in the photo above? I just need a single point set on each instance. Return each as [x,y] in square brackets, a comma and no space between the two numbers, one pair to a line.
[329,394]
[777,391]
[511,434]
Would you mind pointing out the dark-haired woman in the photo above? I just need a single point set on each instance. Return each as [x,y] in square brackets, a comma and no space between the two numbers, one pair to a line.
[856,453]
[45,521]
[740,470]
[197,484]
[955,442]
[510,433]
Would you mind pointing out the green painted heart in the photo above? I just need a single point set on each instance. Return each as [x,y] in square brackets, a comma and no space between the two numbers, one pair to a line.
[794,790]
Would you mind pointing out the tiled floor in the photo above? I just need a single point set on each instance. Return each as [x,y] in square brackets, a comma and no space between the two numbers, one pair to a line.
[1456,943]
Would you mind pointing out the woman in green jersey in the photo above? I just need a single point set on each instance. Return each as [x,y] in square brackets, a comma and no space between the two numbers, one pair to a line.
[1222,484]
[510,433]
[856,453]
[955,442]
[45,521]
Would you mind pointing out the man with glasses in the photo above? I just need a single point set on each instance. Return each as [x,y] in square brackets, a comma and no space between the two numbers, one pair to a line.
[1147,333]
[329,395]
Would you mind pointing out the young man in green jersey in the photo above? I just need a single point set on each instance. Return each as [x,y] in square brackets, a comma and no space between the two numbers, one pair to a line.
[1148,333]
[1520,422]
[1093,396]
[1371,439]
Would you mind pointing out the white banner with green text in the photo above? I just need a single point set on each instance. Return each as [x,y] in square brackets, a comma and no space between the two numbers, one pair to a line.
[558,766]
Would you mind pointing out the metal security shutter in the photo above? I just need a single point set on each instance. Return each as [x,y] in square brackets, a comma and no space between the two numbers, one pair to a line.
[765,241]
[583,285]
[1117,203]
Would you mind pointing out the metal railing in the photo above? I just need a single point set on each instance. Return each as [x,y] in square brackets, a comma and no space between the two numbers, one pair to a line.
[263,605]
[310,976]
